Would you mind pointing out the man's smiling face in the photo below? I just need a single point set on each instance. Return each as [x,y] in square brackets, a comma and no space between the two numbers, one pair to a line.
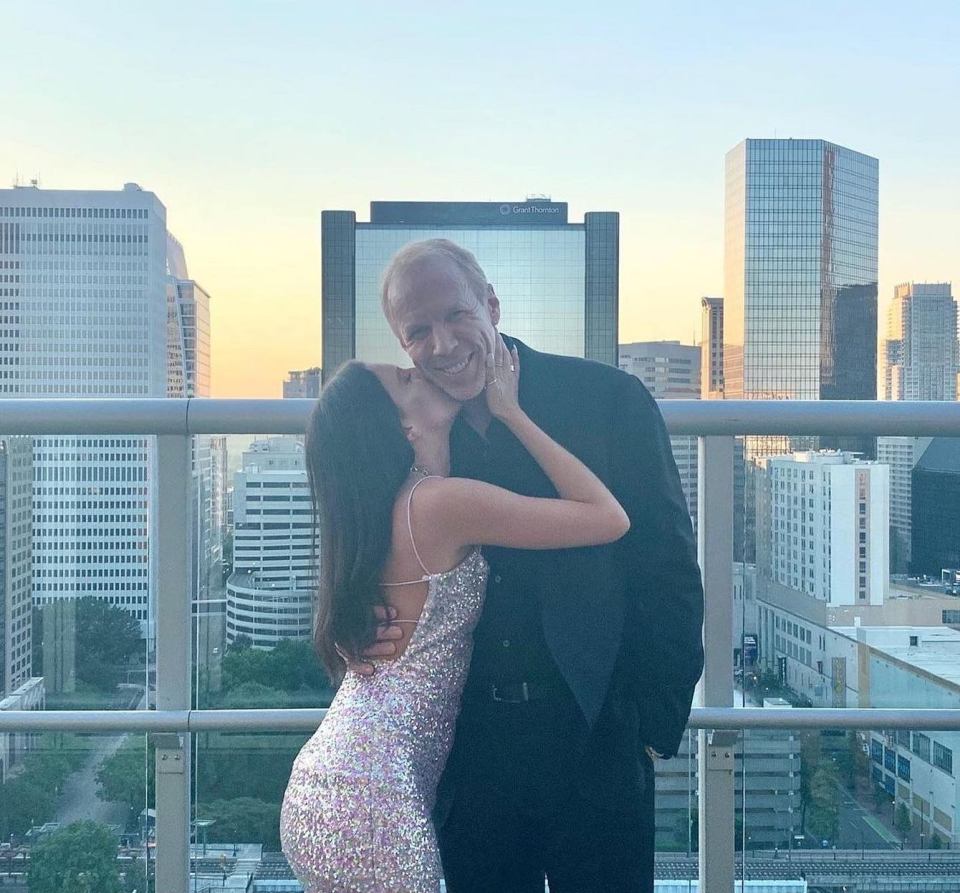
[446,328]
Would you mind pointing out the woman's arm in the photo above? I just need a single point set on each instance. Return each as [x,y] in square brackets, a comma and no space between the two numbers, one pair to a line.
[472,512]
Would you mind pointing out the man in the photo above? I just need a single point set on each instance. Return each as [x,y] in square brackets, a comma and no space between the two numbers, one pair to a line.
[584,660]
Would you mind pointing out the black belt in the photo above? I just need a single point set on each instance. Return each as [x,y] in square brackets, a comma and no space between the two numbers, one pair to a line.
[513,692]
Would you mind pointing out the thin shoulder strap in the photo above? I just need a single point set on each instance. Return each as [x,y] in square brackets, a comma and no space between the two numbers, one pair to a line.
[413,542]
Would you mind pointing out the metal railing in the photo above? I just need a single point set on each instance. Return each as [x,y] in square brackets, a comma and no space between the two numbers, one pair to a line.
[715,422]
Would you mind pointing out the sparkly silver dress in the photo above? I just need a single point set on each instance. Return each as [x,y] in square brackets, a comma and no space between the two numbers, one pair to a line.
[356,813]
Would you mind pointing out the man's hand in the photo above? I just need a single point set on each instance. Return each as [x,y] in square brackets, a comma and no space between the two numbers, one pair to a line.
[384,648]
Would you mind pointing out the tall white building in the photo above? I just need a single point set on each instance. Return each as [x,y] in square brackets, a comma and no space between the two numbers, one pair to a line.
[670,371]
[823,526]
[270,592]
[920,352]
[83,311]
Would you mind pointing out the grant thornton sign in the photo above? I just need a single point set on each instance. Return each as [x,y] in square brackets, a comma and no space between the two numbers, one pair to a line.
[536,212]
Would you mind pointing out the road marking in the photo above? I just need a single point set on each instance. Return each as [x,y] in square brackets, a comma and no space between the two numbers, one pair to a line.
[880,829]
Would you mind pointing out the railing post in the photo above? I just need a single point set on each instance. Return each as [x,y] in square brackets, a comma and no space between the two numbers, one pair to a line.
[172,541]
[715,754]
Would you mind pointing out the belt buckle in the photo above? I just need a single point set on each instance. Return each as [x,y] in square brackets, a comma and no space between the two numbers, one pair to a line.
[525,695]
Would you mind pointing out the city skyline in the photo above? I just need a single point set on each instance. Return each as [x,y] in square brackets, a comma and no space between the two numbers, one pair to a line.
[618,111]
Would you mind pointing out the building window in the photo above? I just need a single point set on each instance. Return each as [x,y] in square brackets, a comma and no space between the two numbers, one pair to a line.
[903,768]
[943,758]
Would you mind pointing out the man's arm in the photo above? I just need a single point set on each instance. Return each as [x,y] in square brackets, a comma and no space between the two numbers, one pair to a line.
[663,646]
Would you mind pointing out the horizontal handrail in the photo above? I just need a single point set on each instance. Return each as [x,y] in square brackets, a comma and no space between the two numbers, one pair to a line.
[293,719]
[204,415]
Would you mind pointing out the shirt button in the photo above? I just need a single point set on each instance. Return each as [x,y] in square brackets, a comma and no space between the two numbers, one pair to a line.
[506,643]
[496,579]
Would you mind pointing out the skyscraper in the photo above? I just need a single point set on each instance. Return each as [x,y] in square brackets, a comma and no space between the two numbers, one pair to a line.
[711,346]
[800,273]
[188,375]
[920,351]
[935,509]
[671,371]
[558,281]
[85,311]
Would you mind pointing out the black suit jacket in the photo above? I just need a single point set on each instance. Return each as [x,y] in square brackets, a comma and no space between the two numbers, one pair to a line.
[622,622]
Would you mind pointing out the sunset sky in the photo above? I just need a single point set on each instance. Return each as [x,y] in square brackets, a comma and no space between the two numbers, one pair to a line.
[249,118]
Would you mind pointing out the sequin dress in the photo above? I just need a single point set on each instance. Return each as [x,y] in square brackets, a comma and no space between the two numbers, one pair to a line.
[356,813]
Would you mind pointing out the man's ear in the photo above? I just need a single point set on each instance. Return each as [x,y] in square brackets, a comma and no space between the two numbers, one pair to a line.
[493,305]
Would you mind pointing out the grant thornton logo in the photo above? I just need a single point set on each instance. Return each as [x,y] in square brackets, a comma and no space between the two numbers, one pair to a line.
[507,209]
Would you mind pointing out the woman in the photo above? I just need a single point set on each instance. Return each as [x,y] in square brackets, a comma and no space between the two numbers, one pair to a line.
[356,814]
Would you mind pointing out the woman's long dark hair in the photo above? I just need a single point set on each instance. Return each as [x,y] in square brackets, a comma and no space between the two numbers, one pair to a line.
[357,459]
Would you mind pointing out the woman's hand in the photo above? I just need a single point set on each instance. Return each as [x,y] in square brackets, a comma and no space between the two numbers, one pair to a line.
[503,381]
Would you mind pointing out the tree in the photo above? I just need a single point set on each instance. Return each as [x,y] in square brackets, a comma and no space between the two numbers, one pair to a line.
[880,797]
[23,804]
[123,775]
[902,821]
[291,666]
[935,842]
[81,858]
[254,694]
[243,819]
[240,643]
[134,877]
[811,755]
[107,638]
[823,813]
[30,797]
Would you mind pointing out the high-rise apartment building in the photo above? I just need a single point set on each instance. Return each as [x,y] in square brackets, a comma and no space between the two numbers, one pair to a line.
[670,371]
[823,526]
[800,274]
[270,591]
[303,383]
[557,281]
[84,312]
[920,352]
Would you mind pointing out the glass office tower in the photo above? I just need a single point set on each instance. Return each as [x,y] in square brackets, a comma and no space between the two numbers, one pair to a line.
[557,281]
[800,273]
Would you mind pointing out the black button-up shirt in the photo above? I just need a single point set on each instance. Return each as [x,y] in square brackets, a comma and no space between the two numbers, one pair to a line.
[509,644]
